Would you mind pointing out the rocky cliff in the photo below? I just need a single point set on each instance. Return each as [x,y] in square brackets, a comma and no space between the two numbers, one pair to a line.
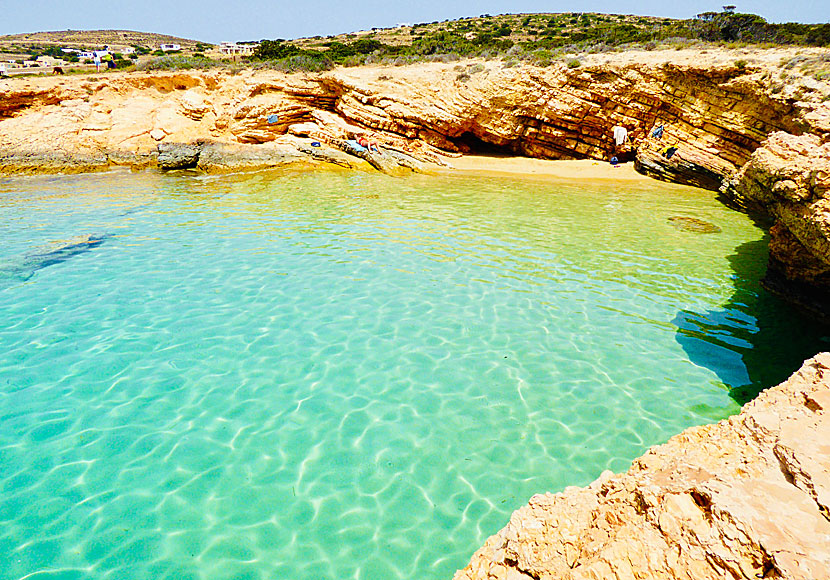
[716,112]
[748,497]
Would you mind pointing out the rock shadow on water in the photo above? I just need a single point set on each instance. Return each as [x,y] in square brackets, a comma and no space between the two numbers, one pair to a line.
[22,268]
[757,339]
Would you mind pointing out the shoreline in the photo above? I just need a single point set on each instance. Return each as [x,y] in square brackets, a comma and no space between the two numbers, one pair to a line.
[562,169]
[481,165]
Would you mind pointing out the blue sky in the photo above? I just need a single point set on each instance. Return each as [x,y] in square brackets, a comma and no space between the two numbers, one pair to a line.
[218,20]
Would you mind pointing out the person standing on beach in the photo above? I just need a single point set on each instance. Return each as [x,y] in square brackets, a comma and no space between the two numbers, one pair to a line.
[97,60]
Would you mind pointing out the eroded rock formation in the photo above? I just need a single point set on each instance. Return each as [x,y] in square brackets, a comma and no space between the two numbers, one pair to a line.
[748,497]
[717,114]
[789,179]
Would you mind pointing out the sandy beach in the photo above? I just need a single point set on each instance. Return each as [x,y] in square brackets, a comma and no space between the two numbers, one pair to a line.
[560,169]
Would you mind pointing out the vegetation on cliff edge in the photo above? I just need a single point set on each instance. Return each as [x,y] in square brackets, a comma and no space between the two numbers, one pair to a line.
[542,35]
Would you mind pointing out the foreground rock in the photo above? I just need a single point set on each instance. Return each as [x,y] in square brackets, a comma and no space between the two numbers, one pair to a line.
[745,498]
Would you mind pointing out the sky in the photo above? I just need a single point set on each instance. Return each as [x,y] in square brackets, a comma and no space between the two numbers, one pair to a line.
[233,20]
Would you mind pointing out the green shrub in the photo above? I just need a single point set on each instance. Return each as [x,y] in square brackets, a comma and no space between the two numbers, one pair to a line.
[573,63]
[741,64]
[178,63]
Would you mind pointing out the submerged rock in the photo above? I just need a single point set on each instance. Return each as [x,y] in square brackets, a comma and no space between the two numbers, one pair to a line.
[693,225]
[23,267]
[747,497]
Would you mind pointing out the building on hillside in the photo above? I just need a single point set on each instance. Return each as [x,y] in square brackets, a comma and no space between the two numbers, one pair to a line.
[170,47]
[86,55]
[126,50]
[50,61]
[234,49]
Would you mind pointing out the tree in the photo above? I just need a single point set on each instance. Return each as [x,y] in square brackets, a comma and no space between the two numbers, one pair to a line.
[274,50]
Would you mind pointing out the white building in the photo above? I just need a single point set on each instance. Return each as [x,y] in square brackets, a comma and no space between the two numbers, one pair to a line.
[233,49]
[127,50]
[169,47]
[50,61]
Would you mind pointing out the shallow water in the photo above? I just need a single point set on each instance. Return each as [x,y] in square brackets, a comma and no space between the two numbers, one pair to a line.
[309,375]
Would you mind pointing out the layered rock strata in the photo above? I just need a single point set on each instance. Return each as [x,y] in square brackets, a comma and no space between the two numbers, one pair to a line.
[748,497]
[717,114]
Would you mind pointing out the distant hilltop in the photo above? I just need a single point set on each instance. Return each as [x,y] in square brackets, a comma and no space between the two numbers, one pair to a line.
[97,39]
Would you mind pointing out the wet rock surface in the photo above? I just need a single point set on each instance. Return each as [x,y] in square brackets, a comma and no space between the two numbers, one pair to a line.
[178,155]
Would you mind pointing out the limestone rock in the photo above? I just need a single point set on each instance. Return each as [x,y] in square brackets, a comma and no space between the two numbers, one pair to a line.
[178,155]
[304,129]
[789,178]
[194,104]
[687,166]
[330,155]
[745,498]
[221,157]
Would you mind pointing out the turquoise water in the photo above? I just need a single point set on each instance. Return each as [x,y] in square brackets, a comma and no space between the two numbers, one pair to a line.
[300,375]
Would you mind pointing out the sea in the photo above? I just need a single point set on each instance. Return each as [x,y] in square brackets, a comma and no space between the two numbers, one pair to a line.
[330,375]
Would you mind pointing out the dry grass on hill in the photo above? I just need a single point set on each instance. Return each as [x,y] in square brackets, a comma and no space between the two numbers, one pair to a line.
[93,38]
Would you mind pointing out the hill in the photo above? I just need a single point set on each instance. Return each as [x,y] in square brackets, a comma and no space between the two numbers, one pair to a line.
[91,39]
[544,35]
[516,28]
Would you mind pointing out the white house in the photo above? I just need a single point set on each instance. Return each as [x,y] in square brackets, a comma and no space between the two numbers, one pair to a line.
[50,61]
[86,55]
[232,48]
[169,47]
[127,50]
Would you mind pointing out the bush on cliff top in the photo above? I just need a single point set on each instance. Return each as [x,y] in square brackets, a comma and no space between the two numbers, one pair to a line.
[495,35]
